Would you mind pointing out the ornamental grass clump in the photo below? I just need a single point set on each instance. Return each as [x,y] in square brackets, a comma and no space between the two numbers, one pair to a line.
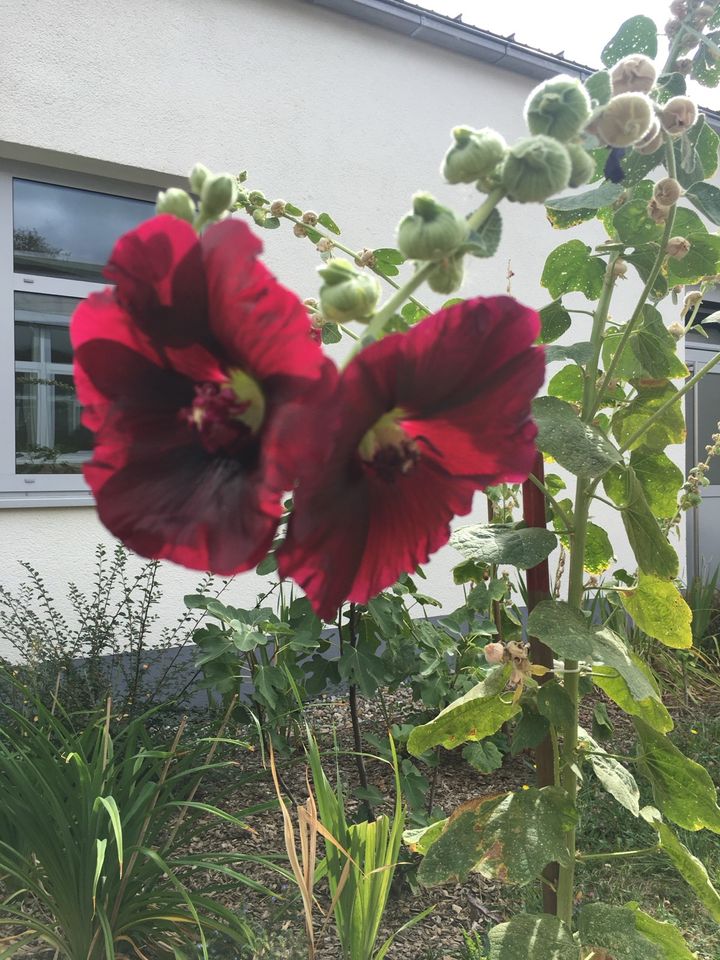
[210,397]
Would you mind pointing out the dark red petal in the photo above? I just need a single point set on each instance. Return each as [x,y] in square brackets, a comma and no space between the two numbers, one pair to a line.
[158,271]
[169,500]
[352,537]
[261,325]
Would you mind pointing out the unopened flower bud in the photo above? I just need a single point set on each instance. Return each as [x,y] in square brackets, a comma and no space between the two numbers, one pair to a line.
[677,329]
[678,8]
[671,28]
[257,197]
[310,218]
[260,215]
[690,302]
[678,115]
[474,154]
[702,14]
[677,247]
[311,303]
[365,258]
[217,195]
[277,208]
[558,108]
[299,230]
[494,652]
[198,176]
[176,202]
[345,293]
[447,276]
[431,231]
[620,268]
[657,212]
[624,121]
[582,165]
[652,141]
[667,191]
[684,66]
[535,169]
[633,74]
[324,245]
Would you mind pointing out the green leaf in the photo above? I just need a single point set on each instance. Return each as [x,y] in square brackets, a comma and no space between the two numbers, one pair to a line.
[554,321]
[650,708]
[327,221]
[683,790]
[485,241]
[389,255]
[602,726]
[523,547]
[509,838]
[705,68]
[572,267]
[636,35]
[670,85]
[613,929]
[531,729]
[614,777]
[266,566]
[636,166]
[651,548]
[688,866]
[664,935]
[113,813]
[474,716]
[567,632]
[658,608]
[564,219]
[554,703]
[706,198]
[577,352]
[575,445]
[703,260]
[602,196]
[660,480]
[484,757]
[668,429]
[567,384]
[706,142]
[420,840]
[293,210]
[655,347]
[330,333]
[696,154]
[554,483]
[528,937]
[599,86]
[598,549]
[634,226]
[644,262]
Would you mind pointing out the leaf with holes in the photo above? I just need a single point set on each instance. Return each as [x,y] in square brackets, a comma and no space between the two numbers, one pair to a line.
[634,226]
[660,480]
[575,445]
[567,384]
[706,198]
[484,241]
[602,196]
[509,838]
[703,260]
[669,428]
[655,347]
[572,267]
[474,716]
[636,35]
[554,321]
[683,790]
[599,86]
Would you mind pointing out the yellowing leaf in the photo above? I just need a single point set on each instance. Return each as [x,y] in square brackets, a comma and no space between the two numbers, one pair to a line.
[658,608]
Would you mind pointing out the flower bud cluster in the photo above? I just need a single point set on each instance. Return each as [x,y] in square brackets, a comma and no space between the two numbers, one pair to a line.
[474,154]
[176,202]
[430,231]
[691,491]
[345,293]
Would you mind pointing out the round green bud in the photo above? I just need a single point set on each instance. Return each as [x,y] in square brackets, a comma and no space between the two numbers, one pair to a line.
[431,231]
[217,195]
[447,276]
[625,120]
[259,215]
[177,202]
[582,165]
[345,293]
[474,154]
[198,176]
[558,108]
[535,169]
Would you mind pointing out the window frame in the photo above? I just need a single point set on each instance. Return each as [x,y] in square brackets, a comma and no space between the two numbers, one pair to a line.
[39,490]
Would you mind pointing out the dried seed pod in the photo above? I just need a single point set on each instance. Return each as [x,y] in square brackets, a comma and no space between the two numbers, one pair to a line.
[657,212]
[633,74]
[667,191]
[625,120]
[678,115]
[678,247]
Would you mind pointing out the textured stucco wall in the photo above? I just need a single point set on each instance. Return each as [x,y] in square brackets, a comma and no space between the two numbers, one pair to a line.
[321,109]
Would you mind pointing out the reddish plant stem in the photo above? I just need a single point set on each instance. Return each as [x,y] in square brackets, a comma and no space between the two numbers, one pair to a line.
[538,588]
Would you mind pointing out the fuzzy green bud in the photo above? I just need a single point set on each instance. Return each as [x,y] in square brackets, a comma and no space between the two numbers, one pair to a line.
[447,276]
[217,195]
[535,169]
[177,202]
[347,294]
[474,154]
[625,120]
[198,176]
[431,231]
[558,108]
[582,165]
[633,74]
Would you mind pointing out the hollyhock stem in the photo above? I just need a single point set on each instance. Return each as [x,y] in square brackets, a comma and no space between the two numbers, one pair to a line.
[376,327]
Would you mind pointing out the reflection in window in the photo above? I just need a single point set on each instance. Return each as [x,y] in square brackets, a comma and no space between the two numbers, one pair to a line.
[66,232]
[49,437]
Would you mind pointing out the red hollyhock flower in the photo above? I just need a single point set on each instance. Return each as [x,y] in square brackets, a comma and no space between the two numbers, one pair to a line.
[200,379]
[426,419]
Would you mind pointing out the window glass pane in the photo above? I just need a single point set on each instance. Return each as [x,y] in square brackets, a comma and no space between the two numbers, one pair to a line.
[708,416]
[48,435]
[66,232]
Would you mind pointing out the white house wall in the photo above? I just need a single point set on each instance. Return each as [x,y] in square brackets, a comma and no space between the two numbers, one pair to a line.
[323,110]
